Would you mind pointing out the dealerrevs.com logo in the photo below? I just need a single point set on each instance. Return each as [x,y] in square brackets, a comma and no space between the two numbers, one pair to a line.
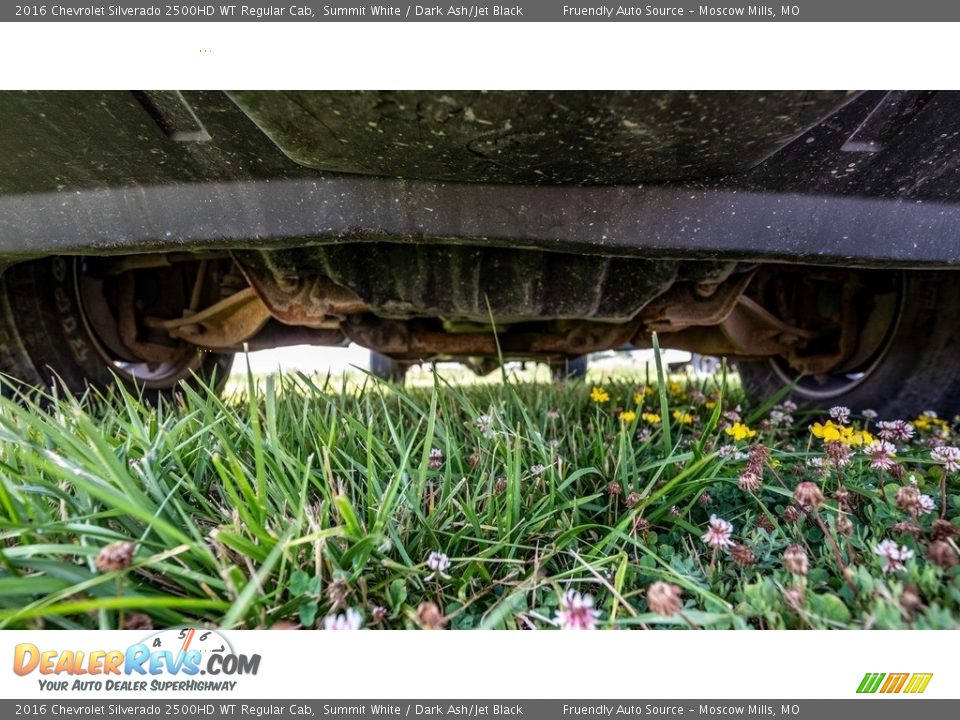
[182,659]
[890,683]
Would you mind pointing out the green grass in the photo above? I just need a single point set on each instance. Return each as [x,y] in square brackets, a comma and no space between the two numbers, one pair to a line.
[296,497]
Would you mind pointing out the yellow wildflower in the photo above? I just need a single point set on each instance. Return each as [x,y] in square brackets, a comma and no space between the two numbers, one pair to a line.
[651,418]
[628,416]
[682,417]
[865,438]
[599,395]
[675,388]
[831,431]
[826,432]
[738,431]
[928,421]
[640,393]
[710,404]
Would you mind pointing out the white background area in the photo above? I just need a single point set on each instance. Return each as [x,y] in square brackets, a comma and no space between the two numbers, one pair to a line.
[782,664]
[598,55]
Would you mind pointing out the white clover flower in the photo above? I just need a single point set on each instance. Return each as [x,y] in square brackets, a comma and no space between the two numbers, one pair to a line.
[718,533]
[817,464]
[841,414]
[350,620]
[537,469]
[898,430]
[576,612]
[485,425]
[778,417]
[435,461]
[869,414]
[947,456]
[882,454]
[894,556]
[438,564]
[749,481]
[927,505]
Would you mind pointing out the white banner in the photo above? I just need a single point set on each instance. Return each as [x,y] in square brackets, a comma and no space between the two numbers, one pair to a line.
[320,665]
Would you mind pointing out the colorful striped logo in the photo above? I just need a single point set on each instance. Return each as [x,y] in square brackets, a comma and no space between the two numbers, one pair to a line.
[894,683]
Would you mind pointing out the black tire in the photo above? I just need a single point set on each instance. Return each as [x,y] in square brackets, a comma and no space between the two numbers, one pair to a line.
[572,369]
[916,367]
[46,340]
[386,368]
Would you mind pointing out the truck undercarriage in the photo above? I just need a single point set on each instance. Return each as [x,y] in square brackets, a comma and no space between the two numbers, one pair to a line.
[800,229]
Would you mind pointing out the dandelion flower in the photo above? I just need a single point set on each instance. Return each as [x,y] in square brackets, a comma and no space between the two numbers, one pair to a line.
[350,620]
[894,556]
[576,612]
[438,564]
[599,395]
[718,533]
[738,431]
